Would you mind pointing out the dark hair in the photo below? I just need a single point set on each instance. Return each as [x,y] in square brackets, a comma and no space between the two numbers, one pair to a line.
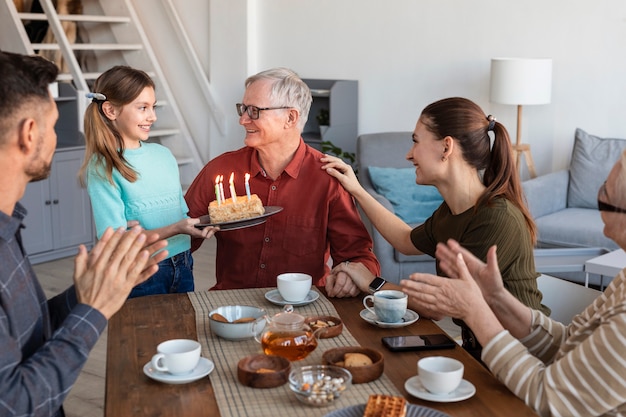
[464,120]
[24,81]
[120,85]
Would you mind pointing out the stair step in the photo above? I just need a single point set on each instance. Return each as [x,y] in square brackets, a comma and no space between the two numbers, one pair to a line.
[184,160]
[116,37]
[90,46]
[163,132]
[77,18]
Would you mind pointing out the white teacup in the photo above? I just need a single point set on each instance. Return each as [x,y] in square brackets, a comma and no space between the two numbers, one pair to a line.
[440,375]
[294,286]
[389,305]
[177,356]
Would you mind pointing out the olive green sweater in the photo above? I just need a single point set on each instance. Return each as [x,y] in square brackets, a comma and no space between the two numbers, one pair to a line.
[501,224]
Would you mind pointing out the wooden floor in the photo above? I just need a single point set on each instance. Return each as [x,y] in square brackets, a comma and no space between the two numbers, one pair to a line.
[87,397]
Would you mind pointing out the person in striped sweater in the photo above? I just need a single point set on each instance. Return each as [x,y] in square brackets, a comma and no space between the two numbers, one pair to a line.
[559,370]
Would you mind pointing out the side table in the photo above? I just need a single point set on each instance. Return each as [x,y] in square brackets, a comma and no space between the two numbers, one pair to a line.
[606,265]
[551,260]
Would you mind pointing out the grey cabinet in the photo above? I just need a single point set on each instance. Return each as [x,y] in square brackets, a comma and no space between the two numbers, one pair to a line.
[340,99]
[59,214]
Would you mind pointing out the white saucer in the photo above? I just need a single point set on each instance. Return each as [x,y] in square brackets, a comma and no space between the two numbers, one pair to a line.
[409,317]
[273,296]
[464,391]
[201,370]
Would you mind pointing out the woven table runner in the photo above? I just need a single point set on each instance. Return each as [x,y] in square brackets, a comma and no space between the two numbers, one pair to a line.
[237,400]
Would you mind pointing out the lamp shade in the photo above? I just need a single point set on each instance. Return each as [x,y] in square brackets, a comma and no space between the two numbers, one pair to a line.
[521,81]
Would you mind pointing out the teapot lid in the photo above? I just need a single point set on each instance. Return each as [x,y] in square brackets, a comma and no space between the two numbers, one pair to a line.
[288,318]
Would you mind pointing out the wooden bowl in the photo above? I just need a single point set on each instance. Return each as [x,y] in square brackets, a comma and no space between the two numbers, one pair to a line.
[360,374]
[263,371]
[334,326]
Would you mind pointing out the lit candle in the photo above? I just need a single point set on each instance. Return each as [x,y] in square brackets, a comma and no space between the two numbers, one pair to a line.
[217,191]
[222,188]
[232,187]
[247,176]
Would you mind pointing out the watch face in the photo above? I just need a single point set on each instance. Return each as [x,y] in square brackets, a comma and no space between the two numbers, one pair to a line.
[377,283]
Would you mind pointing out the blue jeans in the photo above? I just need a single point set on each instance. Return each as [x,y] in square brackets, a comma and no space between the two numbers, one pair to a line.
[175,275]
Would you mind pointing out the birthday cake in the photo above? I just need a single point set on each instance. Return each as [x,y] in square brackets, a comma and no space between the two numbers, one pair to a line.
[228,211]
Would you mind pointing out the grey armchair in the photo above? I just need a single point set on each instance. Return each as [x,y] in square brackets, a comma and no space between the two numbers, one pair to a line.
[388,149]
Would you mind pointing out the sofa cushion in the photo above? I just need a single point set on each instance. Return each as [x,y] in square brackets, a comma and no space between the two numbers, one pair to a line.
[573,227]
[412,202]
[592,160]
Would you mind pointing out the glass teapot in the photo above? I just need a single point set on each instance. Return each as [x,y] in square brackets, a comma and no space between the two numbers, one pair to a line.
[286,334]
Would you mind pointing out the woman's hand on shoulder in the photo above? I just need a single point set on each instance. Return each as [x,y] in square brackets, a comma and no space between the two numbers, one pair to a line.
[337,168]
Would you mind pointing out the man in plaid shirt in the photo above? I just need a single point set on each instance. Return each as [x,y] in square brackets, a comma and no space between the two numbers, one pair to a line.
[45,343]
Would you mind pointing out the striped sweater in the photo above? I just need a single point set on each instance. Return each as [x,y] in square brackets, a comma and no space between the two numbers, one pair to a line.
[574,370]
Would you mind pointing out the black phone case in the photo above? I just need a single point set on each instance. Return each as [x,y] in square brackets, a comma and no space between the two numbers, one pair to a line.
[446,344]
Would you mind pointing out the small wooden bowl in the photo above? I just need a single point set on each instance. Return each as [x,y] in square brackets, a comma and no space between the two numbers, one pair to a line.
[326,332]
[263,371]
[360,374]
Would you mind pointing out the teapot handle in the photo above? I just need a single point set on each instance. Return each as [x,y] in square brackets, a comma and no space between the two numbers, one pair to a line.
[258,326]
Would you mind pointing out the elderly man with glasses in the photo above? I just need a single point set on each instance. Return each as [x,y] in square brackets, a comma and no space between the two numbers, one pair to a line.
[319,220]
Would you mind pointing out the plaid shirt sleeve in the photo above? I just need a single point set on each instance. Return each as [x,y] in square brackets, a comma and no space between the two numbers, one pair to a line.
[40,358]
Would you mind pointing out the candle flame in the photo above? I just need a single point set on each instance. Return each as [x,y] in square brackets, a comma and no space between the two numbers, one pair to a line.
[232,177]
[217,180]
[247,176]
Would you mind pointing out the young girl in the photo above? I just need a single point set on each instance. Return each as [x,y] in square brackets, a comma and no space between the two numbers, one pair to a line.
[130,180]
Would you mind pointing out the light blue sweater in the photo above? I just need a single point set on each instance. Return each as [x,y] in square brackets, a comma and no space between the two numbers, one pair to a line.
[155,199]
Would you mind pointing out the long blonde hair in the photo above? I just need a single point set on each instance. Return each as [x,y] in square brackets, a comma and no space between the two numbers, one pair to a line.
[120,85]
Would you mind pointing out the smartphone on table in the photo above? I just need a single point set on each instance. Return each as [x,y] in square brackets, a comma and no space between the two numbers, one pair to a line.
[418,342]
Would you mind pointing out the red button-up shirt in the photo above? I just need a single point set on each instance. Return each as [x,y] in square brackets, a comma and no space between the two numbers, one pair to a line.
[319,220]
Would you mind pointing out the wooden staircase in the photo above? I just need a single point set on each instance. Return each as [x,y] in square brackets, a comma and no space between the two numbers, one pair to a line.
[110,33]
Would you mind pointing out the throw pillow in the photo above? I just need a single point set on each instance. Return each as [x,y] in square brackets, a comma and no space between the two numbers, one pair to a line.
[592,160]
[412,202]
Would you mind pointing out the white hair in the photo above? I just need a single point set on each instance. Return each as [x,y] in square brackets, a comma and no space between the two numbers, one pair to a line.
[287,90]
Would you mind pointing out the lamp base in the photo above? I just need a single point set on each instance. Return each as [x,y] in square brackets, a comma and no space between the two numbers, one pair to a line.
[524,148]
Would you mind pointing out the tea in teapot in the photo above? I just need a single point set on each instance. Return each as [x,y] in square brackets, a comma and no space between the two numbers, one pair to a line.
[287,335]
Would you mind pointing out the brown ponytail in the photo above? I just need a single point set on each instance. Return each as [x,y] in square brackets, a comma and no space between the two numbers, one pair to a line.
[465,121]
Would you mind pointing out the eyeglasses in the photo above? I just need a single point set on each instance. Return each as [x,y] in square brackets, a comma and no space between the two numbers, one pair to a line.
[602,206]
[253,111]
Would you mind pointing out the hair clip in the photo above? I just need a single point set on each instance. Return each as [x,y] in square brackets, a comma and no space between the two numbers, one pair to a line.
[96,97]
[492,122]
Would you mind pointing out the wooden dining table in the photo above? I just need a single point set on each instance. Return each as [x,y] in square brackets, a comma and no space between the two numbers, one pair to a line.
[142,323]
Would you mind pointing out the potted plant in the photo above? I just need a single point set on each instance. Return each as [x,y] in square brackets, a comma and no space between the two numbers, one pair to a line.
[323,120]
[348,157]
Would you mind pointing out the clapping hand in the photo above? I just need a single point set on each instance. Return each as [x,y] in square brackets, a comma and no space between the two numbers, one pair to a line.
[119,261]
[487,275]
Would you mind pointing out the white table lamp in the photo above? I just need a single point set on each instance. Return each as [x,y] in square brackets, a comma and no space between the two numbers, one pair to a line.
[521,81]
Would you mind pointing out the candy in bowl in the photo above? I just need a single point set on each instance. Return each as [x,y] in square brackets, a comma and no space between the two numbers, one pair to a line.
[319,385]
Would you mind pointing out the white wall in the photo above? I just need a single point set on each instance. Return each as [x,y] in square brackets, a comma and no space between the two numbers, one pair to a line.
[408,53]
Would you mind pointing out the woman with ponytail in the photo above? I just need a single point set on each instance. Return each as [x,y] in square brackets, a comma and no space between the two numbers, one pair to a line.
[132,181]
[468,157]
